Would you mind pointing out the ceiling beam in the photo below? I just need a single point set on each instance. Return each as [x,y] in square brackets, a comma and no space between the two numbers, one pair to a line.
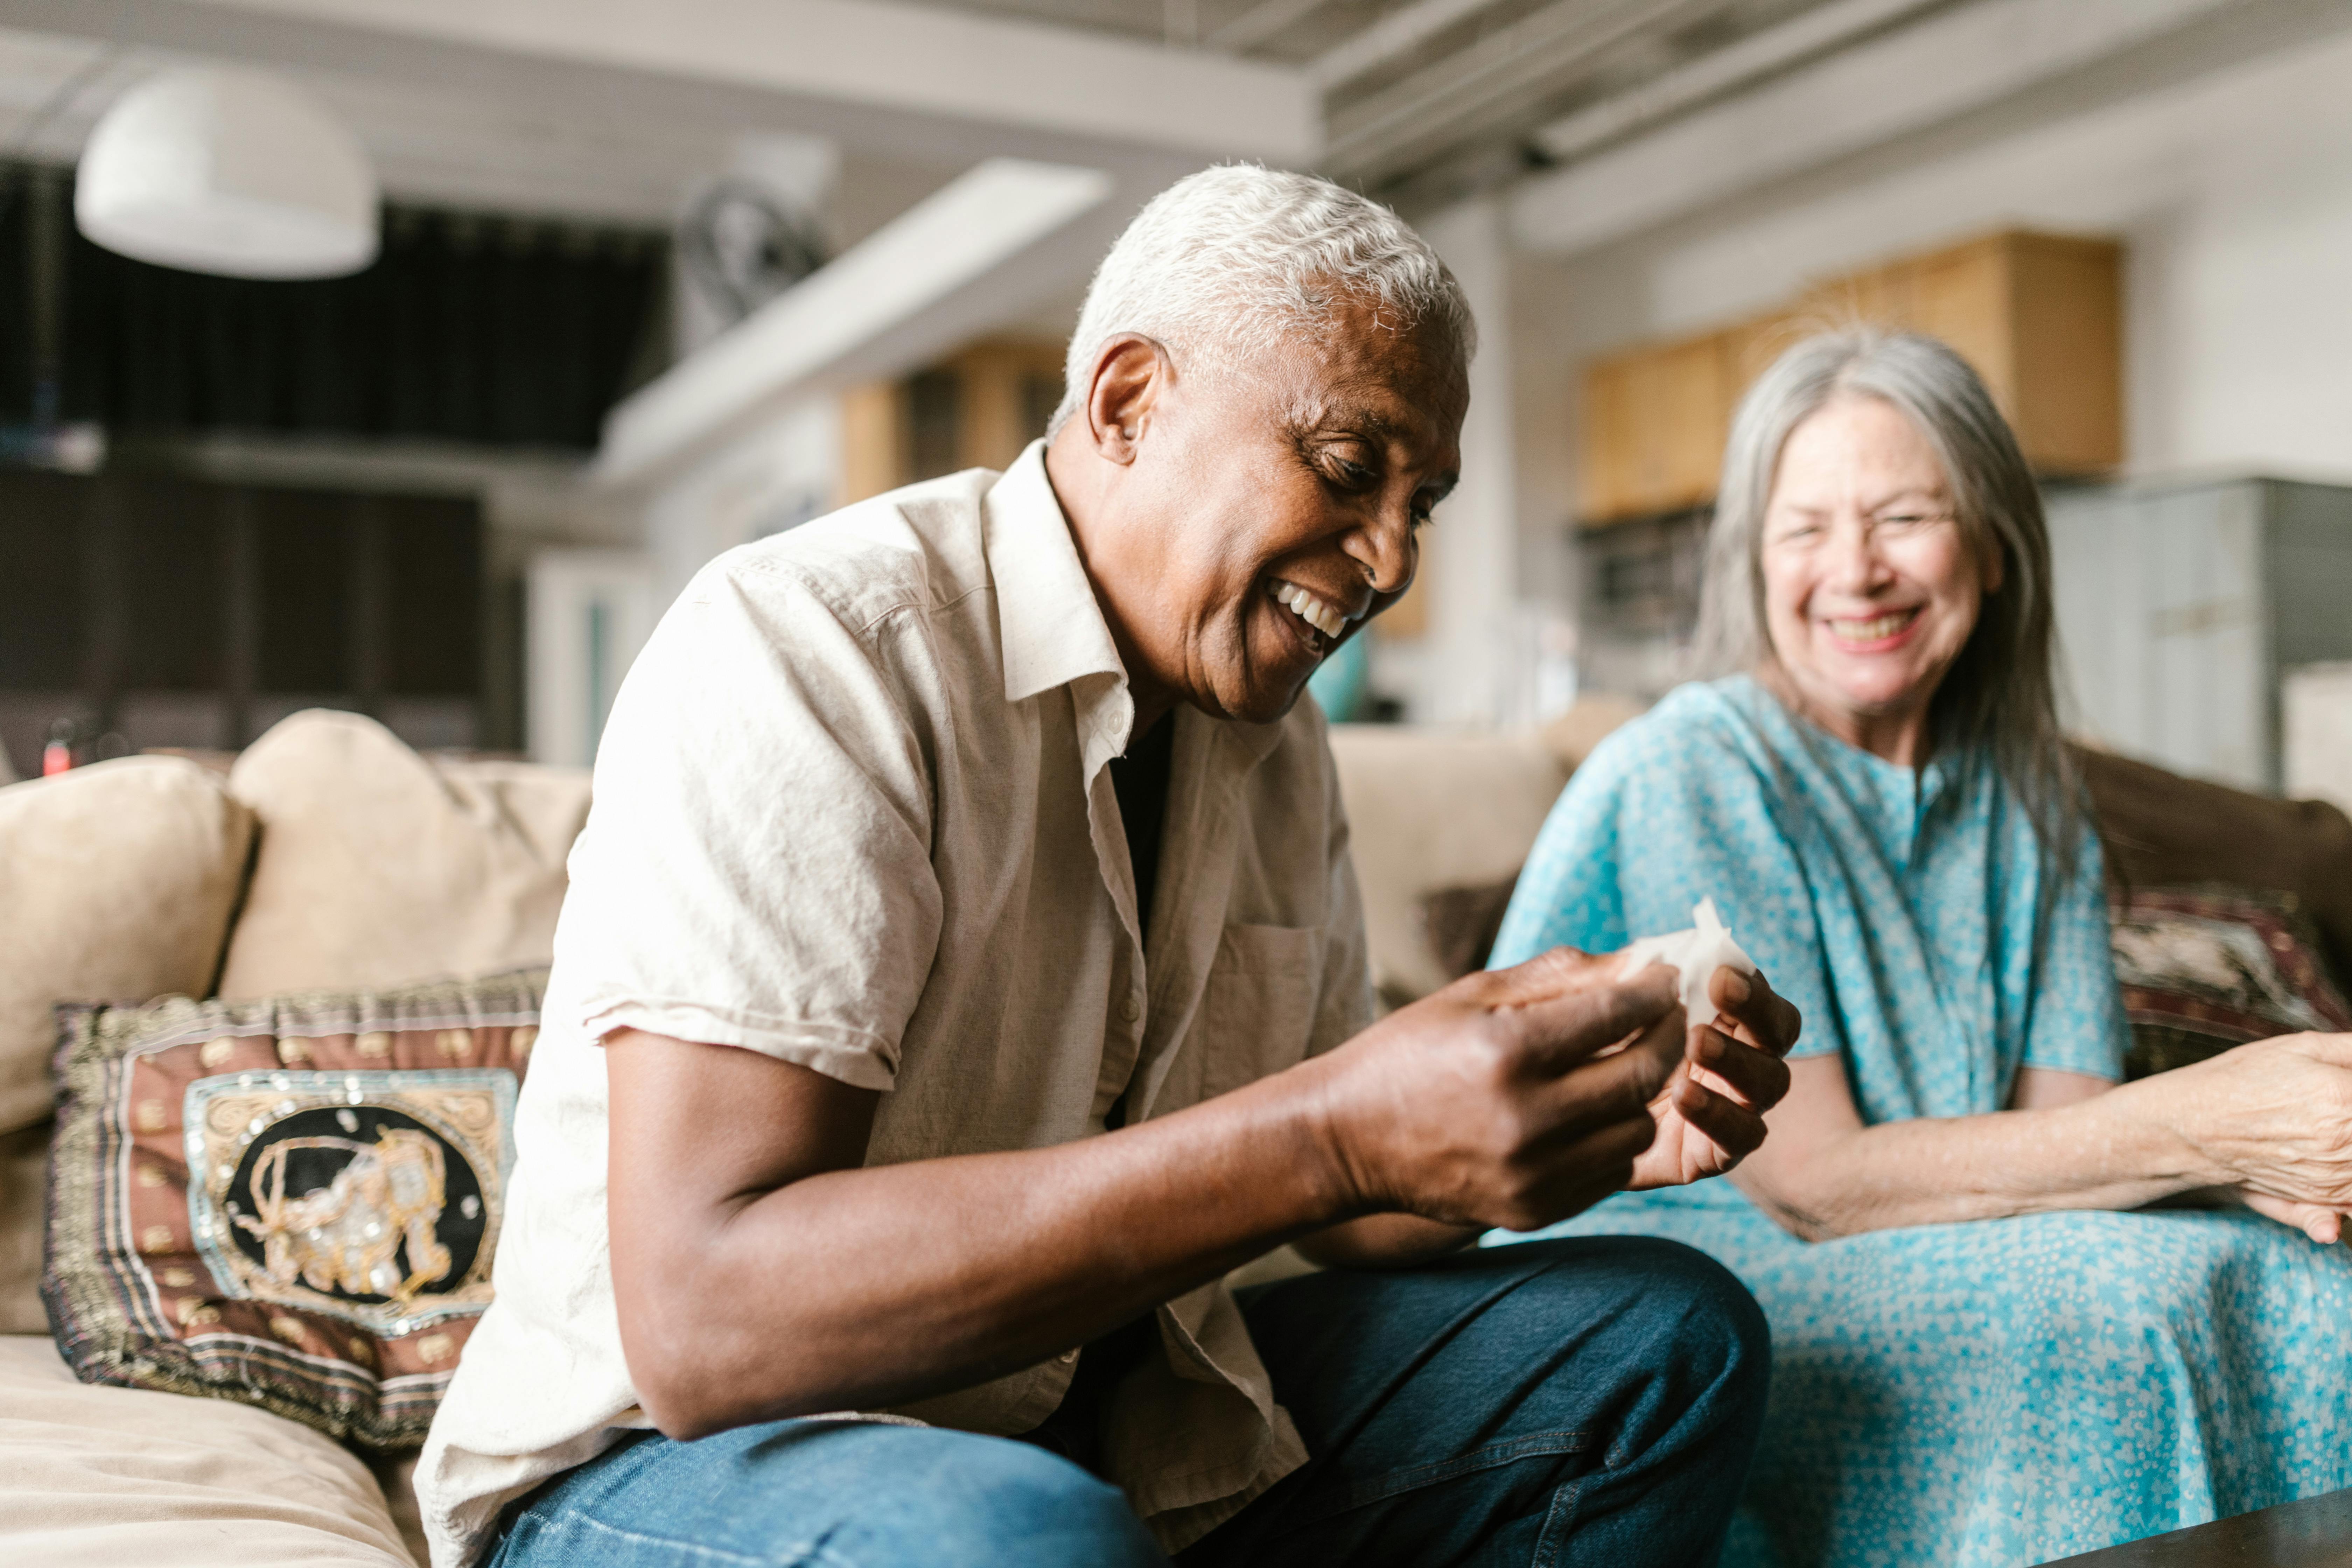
[1398,34]
[1952,63]
[1493,84]
[1798,41]
[1059,84]
[1261,22]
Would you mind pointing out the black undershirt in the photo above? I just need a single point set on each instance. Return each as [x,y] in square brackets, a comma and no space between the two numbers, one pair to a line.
[1140,779]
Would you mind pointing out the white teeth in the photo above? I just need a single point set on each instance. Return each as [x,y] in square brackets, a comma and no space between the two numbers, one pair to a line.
[1871,630]
[1323,617]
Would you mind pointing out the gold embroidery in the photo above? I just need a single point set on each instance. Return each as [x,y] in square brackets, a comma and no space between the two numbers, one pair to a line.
[293,1053]
[523,1038]
[155,1238]
[346,1234]
[456,1043]
[344,1179]
[217,1051]
[290,1330]
[434,1349]
[375,1043]
[151,1175]
[177,1279]
[150,1116]
[362,1353]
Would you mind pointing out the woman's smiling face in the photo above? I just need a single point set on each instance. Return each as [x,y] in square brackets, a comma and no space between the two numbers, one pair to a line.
[1871,584]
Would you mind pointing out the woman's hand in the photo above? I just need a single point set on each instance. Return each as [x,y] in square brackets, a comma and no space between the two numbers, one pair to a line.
[2323,1226]
[2273,1119]
[1711,1114]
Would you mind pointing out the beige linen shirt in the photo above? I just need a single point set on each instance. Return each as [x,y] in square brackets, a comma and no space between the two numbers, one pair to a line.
[852,811]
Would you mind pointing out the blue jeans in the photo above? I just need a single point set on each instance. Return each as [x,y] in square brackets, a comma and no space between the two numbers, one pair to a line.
[1587,1400]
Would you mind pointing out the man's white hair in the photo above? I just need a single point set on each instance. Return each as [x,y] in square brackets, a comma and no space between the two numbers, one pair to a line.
[1237,259]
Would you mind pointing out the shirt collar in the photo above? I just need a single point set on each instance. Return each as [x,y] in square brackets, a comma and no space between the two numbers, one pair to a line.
[1051,627]
[1053,630]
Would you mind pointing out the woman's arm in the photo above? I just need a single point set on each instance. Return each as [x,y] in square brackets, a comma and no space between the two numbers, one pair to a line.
[2272,1118]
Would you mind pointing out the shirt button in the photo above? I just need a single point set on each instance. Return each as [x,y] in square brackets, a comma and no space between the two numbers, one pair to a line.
[1129,1010]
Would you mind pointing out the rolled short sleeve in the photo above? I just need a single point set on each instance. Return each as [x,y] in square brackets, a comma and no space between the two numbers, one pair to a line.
[1664,813]
[755,870]
[2078,1023]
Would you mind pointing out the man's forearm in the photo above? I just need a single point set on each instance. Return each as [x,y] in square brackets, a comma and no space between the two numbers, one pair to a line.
[874,1287]
[761,1269]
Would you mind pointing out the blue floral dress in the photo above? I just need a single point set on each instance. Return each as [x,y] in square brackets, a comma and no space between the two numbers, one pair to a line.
[1990,1394]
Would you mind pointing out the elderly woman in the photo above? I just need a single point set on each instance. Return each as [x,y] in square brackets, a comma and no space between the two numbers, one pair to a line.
[1970,1368]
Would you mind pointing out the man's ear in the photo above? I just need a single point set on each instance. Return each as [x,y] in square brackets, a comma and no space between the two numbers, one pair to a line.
[1132,374]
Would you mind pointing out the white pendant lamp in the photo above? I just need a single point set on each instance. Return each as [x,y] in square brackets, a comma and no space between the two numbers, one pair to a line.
[229,172]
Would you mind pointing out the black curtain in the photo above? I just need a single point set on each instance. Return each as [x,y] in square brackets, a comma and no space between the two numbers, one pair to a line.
[490,331]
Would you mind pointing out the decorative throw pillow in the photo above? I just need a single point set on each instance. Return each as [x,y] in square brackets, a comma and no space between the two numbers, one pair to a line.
[2205,968]
[292,1202]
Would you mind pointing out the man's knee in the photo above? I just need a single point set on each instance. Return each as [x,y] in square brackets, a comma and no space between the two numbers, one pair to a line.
[1701,1303]
[1679,1333]
[1709,1348]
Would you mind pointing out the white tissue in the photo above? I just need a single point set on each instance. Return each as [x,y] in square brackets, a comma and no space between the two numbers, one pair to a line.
[1694,955]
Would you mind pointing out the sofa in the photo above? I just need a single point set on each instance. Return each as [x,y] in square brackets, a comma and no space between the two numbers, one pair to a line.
[331,857]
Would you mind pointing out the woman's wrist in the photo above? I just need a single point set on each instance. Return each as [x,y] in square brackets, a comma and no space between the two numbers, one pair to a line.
[2158,1127]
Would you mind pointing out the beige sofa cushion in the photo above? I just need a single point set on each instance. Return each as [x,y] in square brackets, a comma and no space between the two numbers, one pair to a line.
[1428,809]
[116,882]
[23,1164]
[99,1477]
[379,866]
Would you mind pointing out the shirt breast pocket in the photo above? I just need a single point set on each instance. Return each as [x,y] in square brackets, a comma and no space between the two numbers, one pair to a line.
[1258,1011]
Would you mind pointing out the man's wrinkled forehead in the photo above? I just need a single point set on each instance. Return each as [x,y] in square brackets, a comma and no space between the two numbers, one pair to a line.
[1418,406]
[1375,378]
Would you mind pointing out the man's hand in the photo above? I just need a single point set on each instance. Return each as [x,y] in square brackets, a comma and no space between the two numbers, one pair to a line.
[1711,1114]
[1513,1098]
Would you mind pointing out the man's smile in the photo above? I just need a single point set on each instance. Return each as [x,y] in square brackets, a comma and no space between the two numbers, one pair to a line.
[1318,620]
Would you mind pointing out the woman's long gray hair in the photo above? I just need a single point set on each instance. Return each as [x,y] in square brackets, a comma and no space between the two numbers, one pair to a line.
[1999,698]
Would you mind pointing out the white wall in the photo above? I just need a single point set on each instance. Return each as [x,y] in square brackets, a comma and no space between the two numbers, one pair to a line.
[779,474]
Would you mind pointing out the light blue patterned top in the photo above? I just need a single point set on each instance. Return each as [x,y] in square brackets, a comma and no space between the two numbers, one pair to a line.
[1976,1396]
[1907,913]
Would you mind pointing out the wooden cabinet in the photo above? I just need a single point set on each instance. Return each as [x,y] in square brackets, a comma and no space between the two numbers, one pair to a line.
[978,409]
[1653,424]
[2039,316]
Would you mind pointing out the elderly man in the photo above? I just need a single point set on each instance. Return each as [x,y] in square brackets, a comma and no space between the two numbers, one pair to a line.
[963,971]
